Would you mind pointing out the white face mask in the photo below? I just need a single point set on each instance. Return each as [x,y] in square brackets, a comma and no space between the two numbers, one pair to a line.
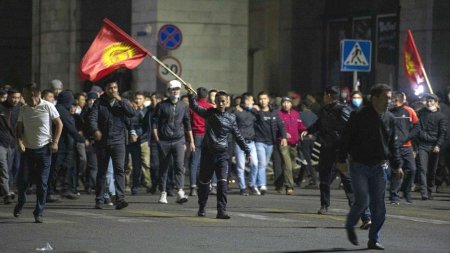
[78,110]
[174,98]
[147,103]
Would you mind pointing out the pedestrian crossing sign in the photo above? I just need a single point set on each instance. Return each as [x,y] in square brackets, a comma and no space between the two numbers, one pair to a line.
[356,55]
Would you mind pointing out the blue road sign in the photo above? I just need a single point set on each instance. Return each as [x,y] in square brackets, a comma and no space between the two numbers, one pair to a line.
[170,37]
[356,55]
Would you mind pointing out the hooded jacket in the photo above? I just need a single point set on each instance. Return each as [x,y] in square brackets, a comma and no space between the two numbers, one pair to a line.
[64,102]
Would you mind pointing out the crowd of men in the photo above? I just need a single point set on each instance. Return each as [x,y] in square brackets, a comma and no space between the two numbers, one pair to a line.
[108,143]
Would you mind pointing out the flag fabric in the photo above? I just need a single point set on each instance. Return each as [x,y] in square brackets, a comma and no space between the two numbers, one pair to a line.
[111,49]
[412,62]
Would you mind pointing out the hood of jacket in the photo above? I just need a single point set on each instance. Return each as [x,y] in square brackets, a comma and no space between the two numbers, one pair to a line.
[66,99]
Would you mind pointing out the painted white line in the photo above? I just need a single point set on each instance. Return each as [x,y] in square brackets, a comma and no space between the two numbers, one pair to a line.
[265,218]
[408,218]
[100,216]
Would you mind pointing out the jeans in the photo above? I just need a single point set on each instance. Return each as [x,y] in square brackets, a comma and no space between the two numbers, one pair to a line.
[14,169]
[91,167]
[171,151]
[369,184]
[263,151]
[110,181]
[35,164]
[134,149]
[6,159]
[194,164]
[427,162]
[213,162]
[240,163]
[115,152]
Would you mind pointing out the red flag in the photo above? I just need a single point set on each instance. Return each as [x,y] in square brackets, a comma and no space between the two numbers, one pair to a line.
[412,62]
[111,49]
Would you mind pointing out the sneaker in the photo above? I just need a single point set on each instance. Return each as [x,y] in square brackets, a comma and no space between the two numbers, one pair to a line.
[323,210]
[53,199]
[17,211]
[366,225]
[70,195]
[38,219]
[289,191]
[254,190]
[108,202]
[121,204]
[193,192]
[263,190]
[222,216]
[181,197]
[163,198]
[243,192]
[98,205]
[213,190]
[12,195]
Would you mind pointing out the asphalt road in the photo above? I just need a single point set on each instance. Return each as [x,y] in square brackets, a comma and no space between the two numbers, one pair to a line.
[270,223]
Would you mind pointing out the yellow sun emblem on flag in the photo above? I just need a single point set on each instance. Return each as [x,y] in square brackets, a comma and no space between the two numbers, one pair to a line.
[410,66]
[117,52]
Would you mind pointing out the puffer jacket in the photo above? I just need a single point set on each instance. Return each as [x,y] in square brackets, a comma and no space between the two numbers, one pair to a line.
[432,129]
[111,120]
[218,126]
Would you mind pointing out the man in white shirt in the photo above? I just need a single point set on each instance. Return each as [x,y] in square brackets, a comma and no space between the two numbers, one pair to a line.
[35,141]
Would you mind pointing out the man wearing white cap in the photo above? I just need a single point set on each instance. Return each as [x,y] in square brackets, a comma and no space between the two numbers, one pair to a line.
[170,122]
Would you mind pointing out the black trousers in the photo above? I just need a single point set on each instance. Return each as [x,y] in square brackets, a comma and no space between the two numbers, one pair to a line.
[326,165]
[117,154]
[213,162]
[427,162]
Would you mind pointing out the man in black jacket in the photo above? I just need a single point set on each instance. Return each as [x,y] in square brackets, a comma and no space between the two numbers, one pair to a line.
[332,120]
[432,131]
[170,122]
[215,158]
[370,139]
[107,121]
[7,148]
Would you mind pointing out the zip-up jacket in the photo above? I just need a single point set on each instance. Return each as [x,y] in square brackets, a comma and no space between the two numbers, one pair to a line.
[432,129]
[405,120]
[218,127]
[111,120]
[64,102]
[171,120]
[293,124]
[277,128]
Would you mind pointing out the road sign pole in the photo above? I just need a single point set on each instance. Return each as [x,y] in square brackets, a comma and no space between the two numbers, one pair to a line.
[355,80]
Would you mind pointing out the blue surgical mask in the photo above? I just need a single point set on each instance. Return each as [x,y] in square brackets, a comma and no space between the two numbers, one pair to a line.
[356,102]
[249,107]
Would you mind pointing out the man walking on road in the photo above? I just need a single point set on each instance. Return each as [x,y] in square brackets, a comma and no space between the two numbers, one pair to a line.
[35,141]
[370,139]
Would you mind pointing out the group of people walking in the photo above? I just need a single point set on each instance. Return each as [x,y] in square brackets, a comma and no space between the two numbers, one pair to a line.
[94,136]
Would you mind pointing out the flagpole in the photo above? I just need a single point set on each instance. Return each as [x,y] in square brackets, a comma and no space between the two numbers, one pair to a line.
[426,80]
[173,73]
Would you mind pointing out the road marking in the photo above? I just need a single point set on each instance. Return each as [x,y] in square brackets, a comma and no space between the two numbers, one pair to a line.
[10,218]
[408,218]
[157,214]
[307,215]
[100,216]
[263,217]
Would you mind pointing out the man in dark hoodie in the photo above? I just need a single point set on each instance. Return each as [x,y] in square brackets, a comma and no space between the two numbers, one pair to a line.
[107,122]
[67,144]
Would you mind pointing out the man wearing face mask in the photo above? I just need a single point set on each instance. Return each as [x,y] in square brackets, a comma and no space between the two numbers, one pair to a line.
[170,122]
[357,99]
[432,130]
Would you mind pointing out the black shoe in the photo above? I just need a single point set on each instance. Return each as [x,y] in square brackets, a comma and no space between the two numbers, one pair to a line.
[121,204]
[53,199]
[243,192]
[152,189]
[374,245]
[323,210]
[170,194]
[223,216]
[351,235]
[424,198]
[201,212]
[98,205]
[7,200]
[366,225]
[17,211]
[38,219]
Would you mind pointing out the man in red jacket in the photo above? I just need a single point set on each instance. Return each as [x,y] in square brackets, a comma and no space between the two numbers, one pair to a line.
[294,127]
[198,129]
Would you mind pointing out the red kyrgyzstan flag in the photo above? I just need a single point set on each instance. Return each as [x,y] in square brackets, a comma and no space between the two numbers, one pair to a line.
[111,49]
[412,62]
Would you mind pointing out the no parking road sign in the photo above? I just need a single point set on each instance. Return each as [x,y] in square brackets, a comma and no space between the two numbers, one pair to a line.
[356,55]
[170,37]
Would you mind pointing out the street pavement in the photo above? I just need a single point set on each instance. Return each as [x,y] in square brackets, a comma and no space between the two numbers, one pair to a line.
[271,223]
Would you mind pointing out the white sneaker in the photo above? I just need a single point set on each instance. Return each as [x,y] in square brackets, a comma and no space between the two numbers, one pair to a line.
[181,197]
[254,190]
[163,198]
[263,189]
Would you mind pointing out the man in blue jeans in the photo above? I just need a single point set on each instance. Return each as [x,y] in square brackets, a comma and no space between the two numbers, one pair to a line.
[371,140]
[35,141]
